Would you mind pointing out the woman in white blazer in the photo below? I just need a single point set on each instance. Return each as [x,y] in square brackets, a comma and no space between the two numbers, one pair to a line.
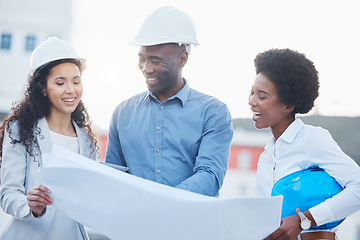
[51,112]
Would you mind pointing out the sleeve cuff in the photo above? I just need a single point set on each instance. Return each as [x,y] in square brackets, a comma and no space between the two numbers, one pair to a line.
[41,214]
[322,214]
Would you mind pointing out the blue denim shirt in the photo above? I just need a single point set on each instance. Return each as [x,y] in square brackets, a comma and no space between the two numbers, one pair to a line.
[183,142]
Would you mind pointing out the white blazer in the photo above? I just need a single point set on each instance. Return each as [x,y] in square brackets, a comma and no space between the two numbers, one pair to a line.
[19,174]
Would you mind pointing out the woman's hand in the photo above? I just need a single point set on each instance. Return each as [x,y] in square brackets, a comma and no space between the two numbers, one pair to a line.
[38,199]
[289,229]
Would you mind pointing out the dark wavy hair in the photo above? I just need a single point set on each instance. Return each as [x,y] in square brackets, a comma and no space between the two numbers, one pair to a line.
[35,106]
[294,75]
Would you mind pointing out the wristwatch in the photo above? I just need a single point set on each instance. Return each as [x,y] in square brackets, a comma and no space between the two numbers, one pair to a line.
[305,223]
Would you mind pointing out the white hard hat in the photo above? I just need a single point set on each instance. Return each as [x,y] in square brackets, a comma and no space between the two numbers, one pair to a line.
[166,25]
[50,50]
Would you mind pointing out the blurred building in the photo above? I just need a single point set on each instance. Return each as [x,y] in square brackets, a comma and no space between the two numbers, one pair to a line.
[246,147]
[23,25]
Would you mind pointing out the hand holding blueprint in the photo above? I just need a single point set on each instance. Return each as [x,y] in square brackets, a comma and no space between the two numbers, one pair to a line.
[126,207]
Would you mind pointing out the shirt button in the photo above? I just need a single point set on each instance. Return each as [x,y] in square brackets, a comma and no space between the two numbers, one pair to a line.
[157,128]
[161,107]
[157,150]
[158,171]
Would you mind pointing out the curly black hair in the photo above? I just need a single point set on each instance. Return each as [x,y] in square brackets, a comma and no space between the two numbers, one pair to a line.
[294,75]
[35,106]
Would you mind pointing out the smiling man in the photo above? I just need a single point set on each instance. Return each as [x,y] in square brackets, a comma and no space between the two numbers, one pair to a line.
[171,134]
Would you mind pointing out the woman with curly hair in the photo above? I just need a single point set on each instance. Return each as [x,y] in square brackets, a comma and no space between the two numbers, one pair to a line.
[51,112]
[287,84]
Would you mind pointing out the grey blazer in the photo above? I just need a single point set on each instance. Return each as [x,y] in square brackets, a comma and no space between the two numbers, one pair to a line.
[19,174]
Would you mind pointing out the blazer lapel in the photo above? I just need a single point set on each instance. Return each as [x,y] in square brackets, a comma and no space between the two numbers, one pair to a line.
[43,138]
[84,143]
[45,143]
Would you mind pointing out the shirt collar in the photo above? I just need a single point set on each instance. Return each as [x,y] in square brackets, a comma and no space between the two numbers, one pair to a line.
[292,130]
[289,134]
[182,95]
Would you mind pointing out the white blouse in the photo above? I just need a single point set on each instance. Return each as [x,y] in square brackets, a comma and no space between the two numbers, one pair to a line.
[302,146]
[67,142]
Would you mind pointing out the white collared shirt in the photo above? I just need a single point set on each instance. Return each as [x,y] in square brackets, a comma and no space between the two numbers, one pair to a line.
[302,146]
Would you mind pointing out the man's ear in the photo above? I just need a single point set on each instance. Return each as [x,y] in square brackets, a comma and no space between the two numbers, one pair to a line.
[183,58]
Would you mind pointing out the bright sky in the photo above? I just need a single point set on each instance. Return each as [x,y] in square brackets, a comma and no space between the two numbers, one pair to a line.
[231,33]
